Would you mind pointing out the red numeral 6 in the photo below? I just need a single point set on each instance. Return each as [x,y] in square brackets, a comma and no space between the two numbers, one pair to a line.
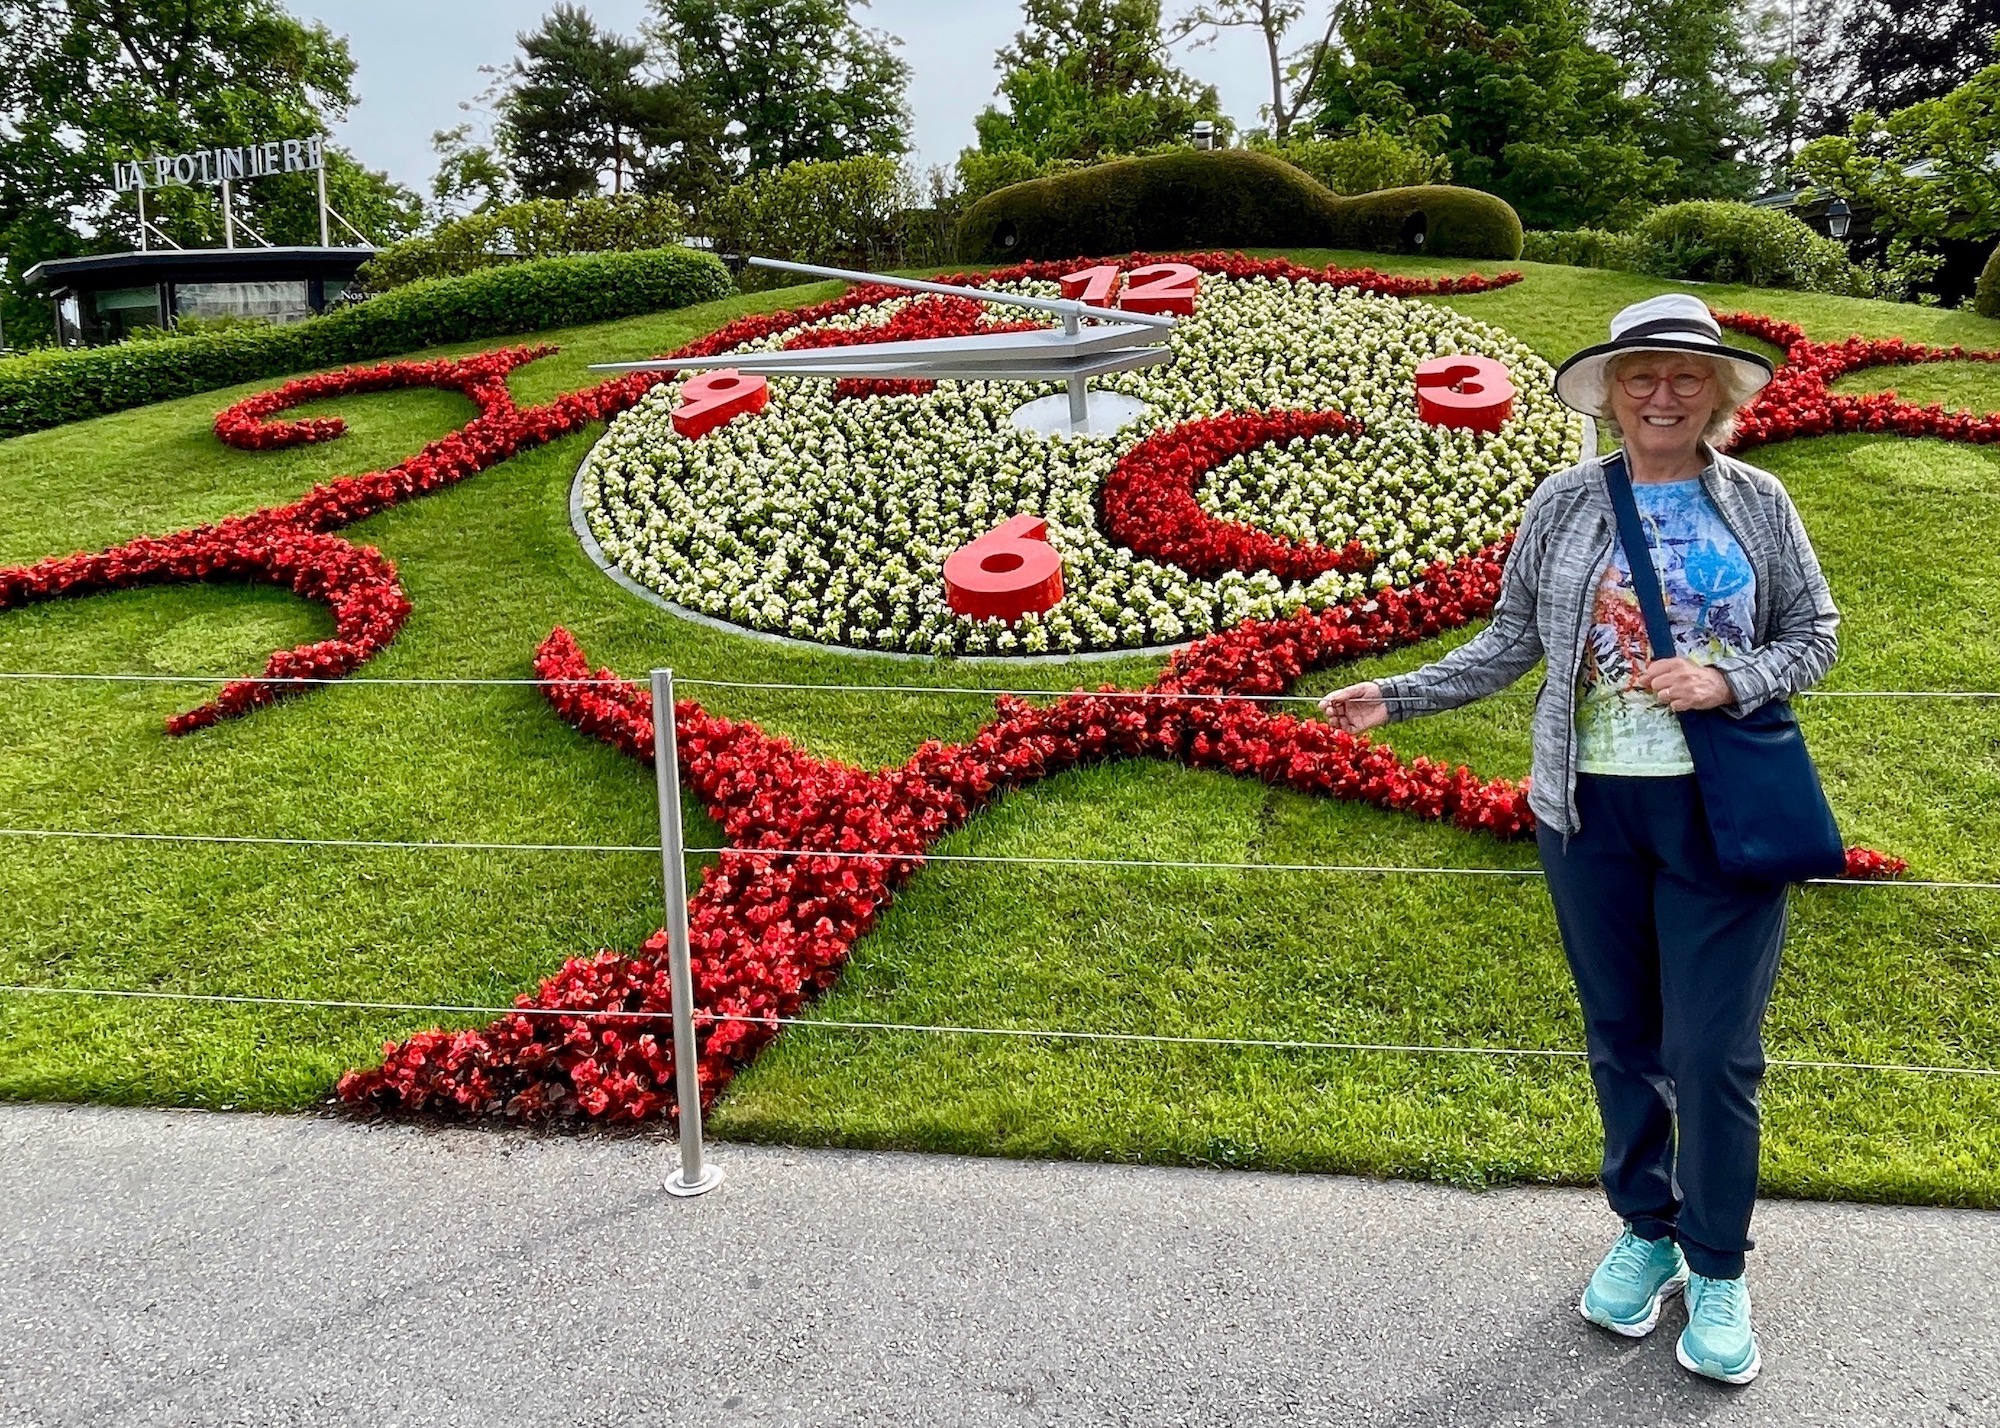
[717,398]
[1006,573]
[1475,393]
[1161,287]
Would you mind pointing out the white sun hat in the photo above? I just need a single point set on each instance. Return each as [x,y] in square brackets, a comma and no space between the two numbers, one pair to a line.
[1671,322]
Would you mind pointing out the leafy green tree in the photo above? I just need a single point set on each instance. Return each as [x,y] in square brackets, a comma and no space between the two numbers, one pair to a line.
[1533,112]
[86,83]
[791,80]
[471,176]
[1690,62]
[1925,174]
[1087,78]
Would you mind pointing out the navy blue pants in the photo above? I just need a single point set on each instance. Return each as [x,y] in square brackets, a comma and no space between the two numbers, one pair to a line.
[1674,965]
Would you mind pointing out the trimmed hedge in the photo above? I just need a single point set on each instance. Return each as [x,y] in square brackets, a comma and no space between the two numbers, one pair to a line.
[1986,296]
[1228,198]
[535,228]
[1435,219]
[48,388]
[1582,248]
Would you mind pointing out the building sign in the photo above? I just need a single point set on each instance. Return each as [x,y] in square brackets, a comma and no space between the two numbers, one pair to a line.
[214,166]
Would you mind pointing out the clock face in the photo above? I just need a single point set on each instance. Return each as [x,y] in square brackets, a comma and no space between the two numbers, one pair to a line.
[1281,459]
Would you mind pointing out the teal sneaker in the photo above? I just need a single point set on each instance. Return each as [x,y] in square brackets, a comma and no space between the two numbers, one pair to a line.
[1718,1342]
[1624,1295]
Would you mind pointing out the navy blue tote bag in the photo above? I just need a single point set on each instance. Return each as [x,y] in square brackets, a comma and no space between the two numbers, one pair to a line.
[1766,809]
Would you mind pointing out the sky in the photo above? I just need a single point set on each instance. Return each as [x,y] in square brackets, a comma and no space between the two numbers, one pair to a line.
[418,59]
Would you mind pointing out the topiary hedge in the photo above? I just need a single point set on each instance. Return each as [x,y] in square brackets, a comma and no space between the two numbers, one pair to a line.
[1435,219]
[48,388]
[1226,198]
[1986,296]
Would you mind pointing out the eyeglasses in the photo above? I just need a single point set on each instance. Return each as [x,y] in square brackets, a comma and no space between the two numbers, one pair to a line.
[1641,385]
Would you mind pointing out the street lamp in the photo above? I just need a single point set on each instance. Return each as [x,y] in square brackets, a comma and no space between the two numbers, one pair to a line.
[1838,217]
[1204,134]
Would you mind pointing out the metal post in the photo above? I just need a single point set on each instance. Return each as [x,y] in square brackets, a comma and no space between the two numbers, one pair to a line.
[228,219]
[319,176]
[693,1178]
[1079,388]
[142,216]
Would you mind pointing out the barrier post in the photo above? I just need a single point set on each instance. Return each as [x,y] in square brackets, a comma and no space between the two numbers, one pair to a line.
[693,1178]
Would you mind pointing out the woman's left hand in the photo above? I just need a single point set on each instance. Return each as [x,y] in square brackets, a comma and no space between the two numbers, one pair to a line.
[1681,685]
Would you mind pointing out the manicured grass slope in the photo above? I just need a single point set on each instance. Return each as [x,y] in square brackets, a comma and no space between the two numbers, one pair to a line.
[1908,532]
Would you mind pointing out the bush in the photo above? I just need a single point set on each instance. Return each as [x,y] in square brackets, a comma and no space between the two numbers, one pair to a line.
[1583,248]
[1361,163]
[538,228]
[1224,198]
[1986,296]
[848,212]
[1738,243]
[48,388]
[1433,219]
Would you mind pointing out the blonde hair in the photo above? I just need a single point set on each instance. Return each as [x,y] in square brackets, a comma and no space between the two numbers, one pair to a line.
[1735,385]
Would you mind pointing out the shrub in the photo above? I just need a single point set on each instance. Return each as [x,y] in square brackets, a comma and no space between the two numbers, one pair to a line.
[538,228]
[1224,198]
[1361,163]
[1583,248]
[50,387]
[1738,243]
[1434,219]
[1986,296]
[847,212]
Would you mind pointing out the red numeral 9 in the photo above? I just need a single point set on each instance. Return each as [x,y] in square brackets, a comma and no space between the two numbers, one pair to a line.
[1006,573]
[1473,393]
[717,398]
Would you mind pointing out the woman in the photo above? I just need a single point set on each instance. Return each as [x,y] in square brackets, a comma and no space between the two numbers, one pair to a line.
[1673,962]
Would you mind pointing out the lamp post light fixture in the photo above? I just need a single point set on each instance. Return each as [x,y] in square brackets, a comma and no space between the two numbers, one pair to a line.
[1838,217]
[1204,133]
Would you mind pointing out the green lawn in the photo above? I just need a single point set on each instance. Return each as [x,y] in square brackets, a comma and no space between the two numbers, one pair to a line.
[1908,531]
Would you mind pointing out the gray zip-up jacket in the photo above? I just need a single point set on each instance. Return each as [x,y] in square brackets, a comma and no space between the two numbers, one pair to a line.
[1544,611]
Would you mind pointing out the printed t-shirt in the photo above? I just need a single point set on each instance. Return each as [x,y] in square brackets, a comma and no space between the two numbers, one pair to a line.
[1711,600]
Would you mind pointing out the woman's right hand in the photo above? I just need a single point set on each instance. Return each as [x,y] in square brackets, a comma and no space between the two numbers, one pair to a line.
[1357,708]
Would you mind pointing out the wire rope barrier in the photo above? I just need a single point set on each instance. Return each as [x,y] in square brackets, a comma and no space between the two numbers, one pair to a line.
[999,859]
[981,692]
[1025,1033]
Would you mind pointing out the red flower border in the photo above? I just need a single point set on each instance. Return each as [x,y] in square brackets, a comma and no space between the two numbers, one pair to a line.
[1148,501]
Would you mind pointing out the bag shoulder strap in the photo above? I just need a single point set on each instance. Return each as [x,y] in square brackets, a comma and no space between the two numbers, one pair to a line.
[1639,556]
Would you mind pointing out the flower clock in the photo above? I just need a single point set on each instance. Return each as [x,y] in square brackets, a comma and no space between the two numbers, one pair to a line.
[1281,506]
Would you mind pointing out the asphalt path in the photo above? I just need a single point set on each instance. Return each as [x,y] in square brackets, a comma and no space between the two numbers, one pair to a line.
[166,1267]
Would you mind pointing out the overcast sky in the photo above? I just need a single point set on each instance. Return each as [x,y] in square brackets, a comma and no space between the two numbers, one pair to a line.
[418,59]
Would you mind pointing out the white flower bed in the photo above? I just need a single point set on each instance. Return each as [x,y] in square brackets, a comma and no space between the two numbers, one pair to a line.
[831,520]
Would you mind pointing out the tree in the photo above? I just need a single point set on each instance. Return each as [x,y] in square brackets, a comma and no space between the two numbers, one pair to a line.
[1533,112]
[792,80]
[1903,52]
[575,109]
[1689,61]
[1086,78]
[1292,76]
[84,83]
[471,177]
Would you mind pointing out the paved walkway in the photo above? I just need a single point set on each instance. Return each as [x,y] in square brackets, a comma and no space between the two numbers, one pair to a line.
[185,1268]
